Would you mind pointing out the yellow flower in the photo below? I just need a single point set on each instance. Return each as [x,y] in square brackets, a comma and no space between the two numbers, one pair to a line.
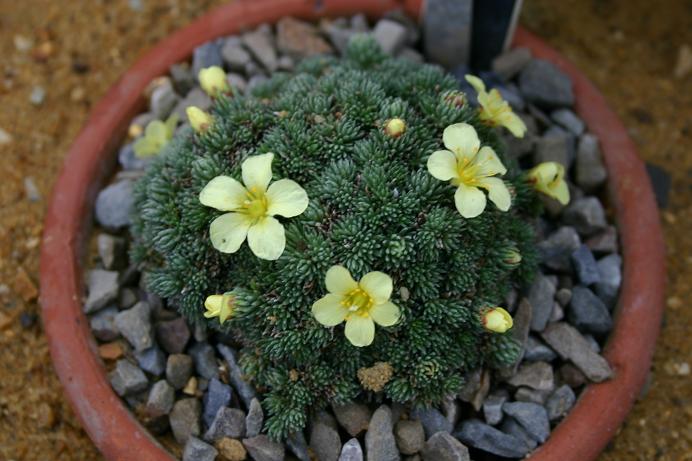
[199,119]
[361,304]
[220,306]
[213,81]
[395,127]
[549,178]
[252,208]
[156,136]
[495,110]
[470,168]
[497,319]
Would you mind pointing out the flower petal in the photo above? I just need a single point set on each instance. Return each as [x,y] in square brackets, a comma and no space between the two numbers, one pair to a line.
[498,193]
[386,314]
[461,139]
[339,280]
[257,171]
[228,231]
[360,330]
[513,123]
[488,162]
[329,311]
[476,83]
[157,131]
[469,200]
[378,285]
[561,192]
[442,164]
[223,193]
[286,198]
[267,239]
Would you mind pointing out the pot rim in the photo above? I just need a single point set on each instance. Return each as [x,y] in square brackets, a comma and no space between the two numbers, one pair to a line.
[581,436]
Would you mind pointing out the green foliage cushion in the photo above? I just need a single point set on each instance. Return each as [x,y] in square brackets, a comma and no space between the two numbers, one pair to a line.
[373,207]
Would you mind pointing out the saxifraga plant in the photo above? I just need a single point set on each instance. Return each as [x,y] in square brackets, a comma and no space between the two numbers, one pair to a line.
[357,135]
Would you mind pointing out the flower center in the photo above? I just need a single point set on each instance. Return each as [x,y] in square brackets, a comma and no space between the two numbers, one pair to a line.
[468,173]
[255,204]
[358,302]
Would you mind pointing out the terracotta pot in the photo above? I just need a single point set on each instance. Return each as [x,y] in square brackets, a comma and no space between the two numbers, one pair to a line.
[580,437]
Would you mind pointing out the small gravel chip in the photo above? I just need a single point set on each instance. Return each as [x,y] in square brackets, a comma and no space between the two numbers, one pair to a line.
[135,325]
[544,85]
[152,360]
[410,436]
[197,450]
[127,378]
[228,422]
[160,400]
[571,345]
[114,205]
[204,358]
[184,419]
[585,266]
[351,451]
[103,324]
[433,421]
[217,395]
[262,448]
[380,443]
[173,335]
[568,120]
[536,375]
[560,402]
[178,370]
[325,441]
[588,313]
[478,435]
[390,35]
[443,447]
[254,419]
[587,215]
[492,407]
[103,289]
[354,417]
[531,416]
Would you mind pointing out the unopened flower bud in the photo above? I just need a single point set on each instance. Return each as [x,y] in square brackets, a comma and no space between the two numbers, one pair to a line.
[395,127]
[199,119]
[213,81]
[497,320]
[512,257]
[455,98]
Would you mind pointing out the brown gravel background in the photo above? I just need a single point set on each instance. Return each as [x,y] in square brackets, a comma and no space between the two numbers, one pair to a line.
[79,47]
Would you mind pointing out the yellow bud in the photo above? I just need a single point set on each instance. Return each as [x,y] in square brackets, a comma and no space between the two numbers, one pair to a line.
[455,98]
[512,257]
[497,319]
[549,179]
[220,306]
[199,119]
[213,81]
[395,127]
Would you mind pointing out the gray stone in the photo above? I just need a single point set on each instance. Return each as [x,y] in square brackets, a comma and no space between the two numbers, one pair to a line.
[184,419]
[339,37]
[325,441]
[571,345]
[586,215]
[359,23]
[255,81]
[197,450]
[114,205]
[531,416]
[604,242]
[611,278]
[556,251]
[451,407]
[103,324]
[568,120]
[526,394]
[512,427]
[218,395]
[541,297]
[182,77]
[245,390]
[204,56]
[254,419]
[410,436]
[390,35]
[571,375]
[544,85]
[410,54]
[492,407]
[112,251]
[443,447]
[475,389]
[237,82]
[234,55]
[196,97]
[588,313]
[354,417]
[585,266]
[286,63]
[447,31]
[160,400]
[228,422]
[380,443]
[299,39]
[478,435]
[563,296]
[351,451]
[511,94]
[127,378]
[135,325]
[262,448]
[178,370]
[511,62]
[553,147]
[152,360]
[261,46]
[536,375]
[590,169]
[173,335]
[204,357]
[560,402]
[537,351]
[297,444]
[433,421]
[162,101]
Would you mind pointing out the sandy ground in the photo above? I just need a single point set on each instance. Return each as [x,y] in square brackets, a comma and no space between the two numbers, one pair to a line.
[76,49]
